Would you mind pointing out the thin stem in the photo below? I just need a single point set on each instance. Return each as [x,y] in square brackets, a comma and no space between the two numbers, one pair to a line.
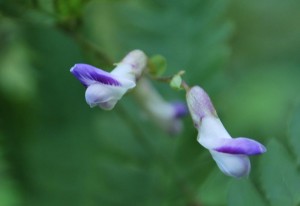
[162,79]
[168,79]
[185,85]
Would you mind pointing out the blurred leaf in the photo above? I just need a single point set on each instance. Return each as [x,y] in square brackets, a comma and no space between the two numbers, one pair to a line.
[280,178]
[257,38]
[191,35]
[68,8]
[214,190]
[17,80]
[253,104]
[294,131]
[9,195]
[69,14]
[157,65]
[243,192]
[132,184]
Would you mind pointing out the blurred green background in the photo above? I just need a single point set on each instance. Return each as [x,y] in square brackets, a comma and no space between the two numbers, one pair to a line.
[55,150]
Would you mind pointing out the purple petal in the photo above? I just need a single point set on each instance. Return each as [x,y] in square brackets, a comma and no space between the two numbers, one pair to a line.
[180,109]
[241,146]
[88,75]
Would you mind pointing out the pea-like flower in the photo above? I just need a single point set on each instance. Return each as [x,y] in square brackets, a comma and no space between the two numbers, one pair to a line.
[166,115]
[104,89]
[230,154]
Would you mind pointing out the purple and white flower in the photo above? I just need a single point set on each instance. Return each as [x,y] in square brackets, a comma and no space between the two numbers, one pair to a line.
[104,89]
[230,154]
[164,114]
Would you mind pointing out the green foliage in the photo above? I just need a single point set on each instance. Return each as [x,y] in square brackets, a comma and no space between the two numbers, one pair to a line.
[55,150]
[192,34]
[279,176]
[16,77]
[294,132]
[243,192]
[254,99]
[210,192]
[68,8]
[9,195]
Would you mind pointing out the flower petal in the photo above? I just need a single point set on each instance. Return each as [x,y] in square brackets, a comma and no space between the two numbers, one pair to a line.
[210,130]
[104,96]
[137,61]
[232,165]
[88,75]
[239,146]
[180,109]
[199,104]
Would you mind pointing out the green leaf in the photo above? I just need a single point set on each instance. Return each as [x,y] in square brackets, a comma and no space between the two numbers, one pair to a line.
[195,39]
[211,192]
[280,178]
[243,192]
[157,65]
[176,82]
[294,131]
[9,195]
[70,7]
[17,80]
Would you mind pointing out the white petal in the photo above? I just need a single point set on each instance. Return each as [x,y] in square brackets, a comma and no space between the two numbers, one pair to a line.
[232,165]
[211,128]
[109,105]
[126,83]
[123,71]
[105,96]
[132,65]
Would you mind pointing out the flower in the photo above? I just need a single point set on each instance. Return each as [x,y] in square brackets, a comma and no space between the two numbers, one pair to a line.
[230,154]
[105,89]
[164,114]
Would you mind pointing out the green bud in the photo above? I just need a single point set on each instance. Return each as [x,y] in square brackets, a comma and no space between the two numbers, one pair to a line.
[176,82]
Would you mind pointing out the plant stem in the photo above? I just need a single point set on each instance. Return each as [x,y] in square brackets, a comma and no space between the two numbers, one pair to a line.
[168,79]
